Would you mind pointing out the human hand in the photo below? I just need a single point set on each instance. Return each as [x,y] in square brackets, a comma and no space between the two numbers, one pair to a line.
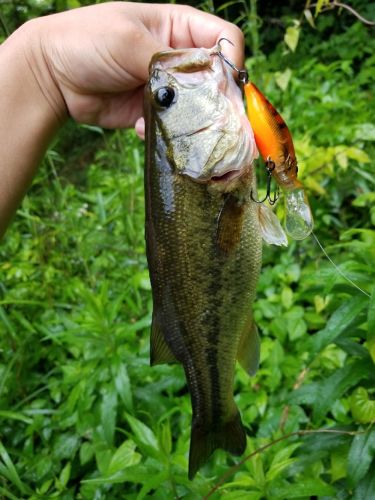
[91,63]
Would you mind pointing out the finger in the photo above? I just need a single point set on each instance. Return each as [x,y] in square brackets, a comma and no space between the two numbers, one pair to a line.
[137,61]
[134,58]
[140,128]
[193,28]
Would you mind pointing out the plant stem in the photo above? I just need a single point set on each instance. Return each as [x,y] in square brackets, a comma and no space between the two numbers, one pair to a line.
[235,467]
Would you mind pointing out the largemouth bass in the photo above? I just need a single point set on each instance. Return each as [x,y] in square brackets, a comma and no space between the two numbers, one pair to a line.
[203,237]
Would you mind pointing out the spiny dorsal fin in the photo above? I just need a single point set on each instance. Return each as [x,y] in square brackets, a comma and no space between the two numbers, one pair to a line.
[160,351]
[270,227]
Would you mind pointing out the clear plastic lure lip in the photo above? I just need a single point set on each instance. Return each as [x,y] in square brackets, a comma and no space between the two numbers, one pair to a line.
[298,221]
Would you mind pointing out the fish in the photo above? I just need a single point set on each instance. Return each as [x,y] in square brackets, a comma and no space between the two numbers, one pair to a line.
[203,237]
[275,144]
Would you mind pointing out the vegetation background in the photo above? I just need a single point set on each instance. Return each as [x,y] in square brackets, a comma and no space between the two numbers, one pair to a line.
[82,415]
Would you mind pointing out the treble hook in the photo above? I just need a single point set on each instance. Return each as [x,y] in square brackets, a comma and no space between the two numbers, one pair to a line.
[243,75]
[270,165]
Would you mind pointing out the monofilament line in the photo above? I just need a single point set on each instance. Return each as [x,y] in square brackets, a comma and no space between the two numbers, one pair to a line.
[341,273]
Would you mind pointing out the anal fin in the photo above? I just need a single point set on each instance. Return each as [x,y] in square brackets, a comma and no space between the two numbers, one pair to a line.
[249,349]
[160,351]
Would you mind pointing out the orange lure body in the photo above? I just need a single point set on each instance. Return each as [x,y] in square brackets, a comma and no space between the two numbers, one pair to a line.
[272,138]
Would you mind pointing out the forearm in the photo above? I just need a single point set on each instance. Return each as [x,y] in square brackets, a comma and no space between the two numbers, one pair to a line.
[28,120]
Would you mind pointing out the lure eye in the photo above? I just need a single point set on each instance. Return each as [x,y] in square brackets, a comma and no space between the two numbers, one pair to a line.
[165,96]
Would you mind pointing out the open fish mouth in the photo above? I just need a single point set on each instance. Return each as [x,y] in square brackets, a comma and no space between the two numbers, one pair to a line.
[223,180]
[228,176]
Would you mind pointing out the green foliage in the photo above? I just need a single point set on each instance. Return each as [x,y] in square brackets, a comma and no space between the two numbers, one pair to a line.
[82,415]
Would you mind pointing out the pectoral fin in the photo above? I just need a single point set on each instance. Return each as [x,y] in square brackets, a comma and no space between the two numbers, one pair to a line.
[249,349]
[229,225]
[270,227]
[160,351]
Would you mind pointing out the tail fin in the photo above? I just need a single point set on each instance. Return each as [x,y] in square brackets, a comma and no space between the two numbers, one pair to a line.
[231,436]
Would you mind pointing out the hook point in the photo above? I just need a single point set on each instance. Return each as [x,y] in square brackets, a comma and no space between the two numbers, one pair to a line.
[226,39]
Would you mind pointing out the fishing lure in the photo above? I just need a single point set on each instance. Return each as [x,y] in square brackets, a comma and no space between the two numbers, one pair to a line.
[275,144]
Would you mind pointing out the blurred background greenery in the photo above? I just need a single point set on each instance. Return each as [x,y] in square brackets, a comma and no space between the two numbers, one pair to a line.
[82,415]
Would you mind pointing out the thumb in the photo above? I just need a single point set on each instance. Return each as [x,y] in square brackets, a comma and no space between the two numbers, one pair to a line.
[135,57]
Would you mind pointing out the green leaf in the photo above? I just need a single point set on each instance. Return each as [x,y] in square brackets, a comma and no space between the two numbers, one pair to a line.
[15,416]
[334,386]
[362,408]
[339,460]
[295,323]
[309,17]
[92,128]
[86,452]
[65,474]
[255,465]
[361,454]
[366,487]
[122,383]
[135,474]
[144,437]
[243,481]
[43,466]
[45,487]
[73,4]
[371,326]
[282,78]
[306,394]
[65,446]
[285,453]
[364,199]
[108,410]
[7,494]
[338,322]
[365,132]
[305,487]
[357,154]
[165,437]
[125,456]
[103,456]
[8,469]
[319,5]
[241,495]
[277,468]
[152,483]
[291,37]
[287,297]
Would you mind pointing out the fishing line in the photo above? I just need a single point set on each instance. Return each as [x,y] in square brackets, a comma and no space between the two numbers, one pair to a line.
[341,273]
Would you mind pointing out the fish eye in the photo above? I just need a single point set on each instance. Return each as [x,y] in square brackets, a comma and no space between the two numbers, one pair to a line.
[165,96]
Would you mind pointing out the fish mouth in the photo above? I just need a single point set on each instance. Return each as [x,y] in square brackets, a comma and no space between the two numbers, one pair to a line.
[228,176]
